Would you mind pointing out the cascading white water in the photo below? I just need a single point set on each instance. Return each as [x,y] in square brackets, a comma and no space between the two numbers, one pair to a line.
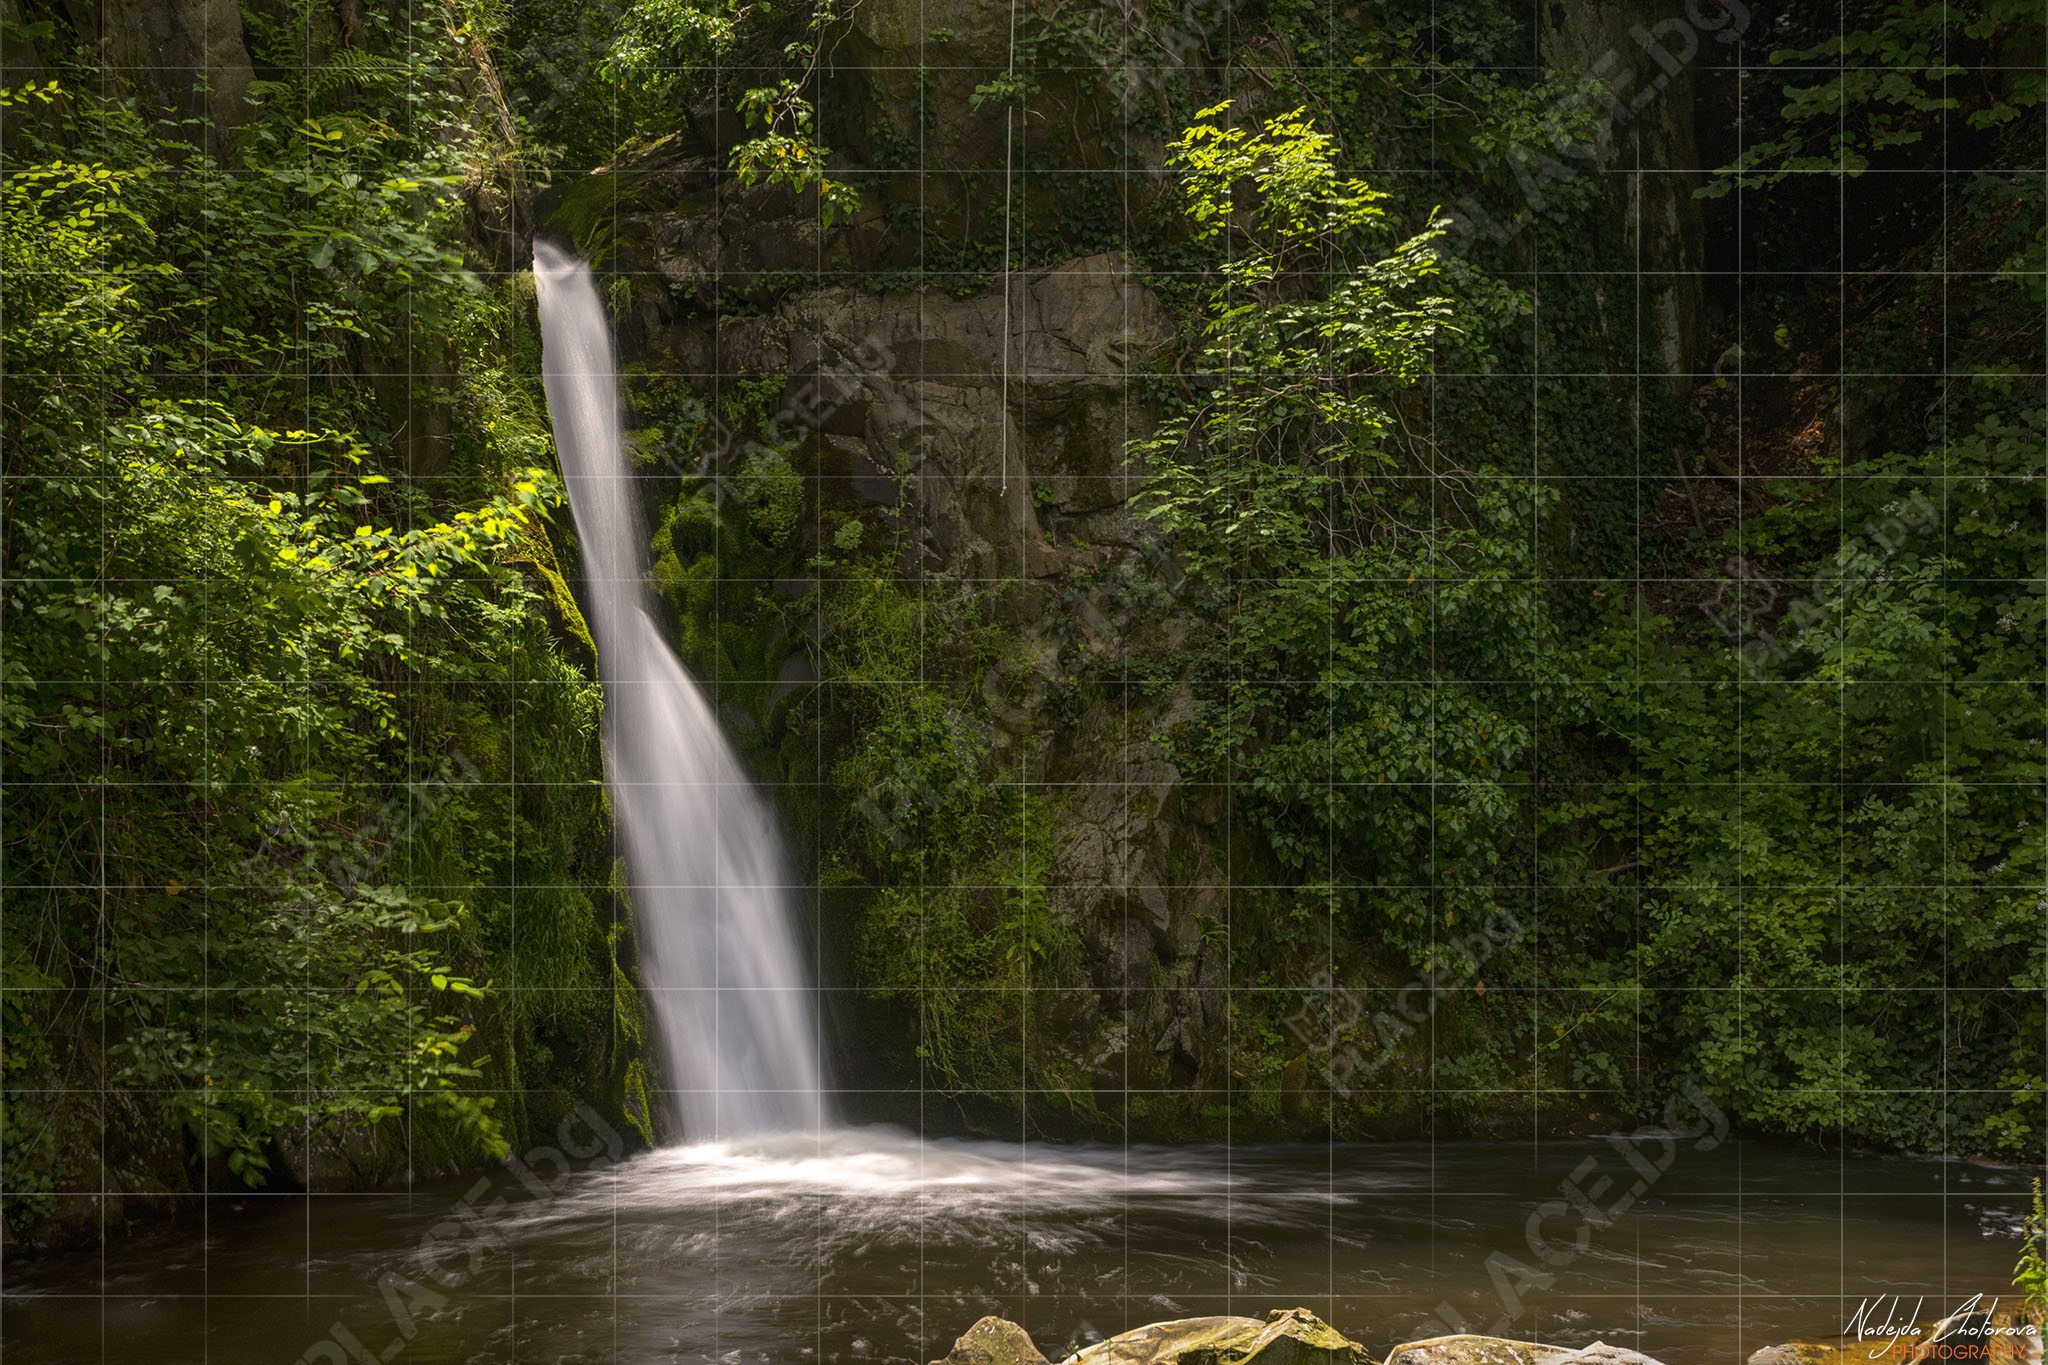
[721,956]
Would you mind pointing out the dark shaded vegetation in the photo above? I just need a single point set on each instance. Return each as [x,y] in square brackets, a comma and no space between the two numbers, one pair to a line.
[1717,672]
[306,854]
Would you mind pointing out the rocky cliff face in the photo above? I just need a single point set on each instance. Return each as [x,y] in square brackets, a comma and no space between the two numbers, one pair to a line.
[186,57]
[1646,66]
[909,86]
[1007,434]
[993,431]
[988,421]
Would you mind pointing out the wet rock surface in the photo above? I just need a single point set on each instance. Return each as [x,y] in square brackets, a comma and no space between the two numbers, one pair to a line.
[1009,438]
[1285,1336]
[1466,1350]
[993,1341]
[991,431]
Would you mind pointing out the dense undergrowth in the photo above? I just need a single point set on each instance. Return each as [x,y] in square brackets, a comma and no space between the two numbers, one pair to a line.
[1743,732]
[278,646]
[1724,691]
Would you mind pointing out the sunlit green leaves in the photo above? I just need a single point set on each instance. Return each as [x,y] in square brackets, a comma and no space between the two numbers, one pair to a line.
[1379,646]
[665,48]
[784,152]
[221,611]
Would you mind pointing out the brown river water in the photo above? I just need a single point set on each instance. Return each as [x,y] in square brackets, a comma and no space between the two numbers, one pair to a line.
[873,1245]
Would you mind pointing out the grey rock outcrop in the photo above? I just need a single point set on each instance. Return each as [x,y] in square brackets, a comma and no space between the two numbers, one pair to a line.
[988,431]
[186,56]
[1285,1336]
[919,53]
[1599,1353]
[1650,67]
[328,1162]
[920,74]
[1468,1349]
[991,430]
[1786,1354]
[993,1341]
[1019,483]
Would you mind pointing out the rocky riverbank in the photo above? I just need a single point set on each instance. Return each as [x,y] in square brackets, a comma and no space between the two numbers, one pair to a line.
[1295,1336]
[1285,1336]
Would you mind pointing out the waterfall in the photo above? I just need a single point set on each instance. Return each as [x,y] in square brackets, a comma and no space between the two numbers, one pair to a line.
[721,956]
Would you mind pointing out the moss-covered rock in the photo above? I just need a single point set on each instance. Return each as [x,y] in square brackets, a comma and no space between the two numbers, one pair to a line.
[1478,1350]
[994,1341]
[1285,1336]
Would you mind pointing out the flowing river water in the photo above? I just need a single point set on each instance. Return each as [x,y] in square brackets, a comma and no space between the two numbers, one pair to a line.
[872,1245]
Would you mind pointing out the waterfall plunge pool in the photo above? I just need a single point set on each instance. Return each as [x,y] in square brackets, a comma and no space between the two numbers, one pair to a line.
[871,1244]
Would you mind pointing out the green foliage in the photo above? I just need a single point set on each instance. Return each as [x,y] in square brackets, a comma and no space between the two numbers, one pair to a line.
[1869,828]
[349,1044]
[2030,1275]
[662,43]
[957,929]
[1006,92]
[923,808]
[667,51]
[1410,659]
[1893,82]
[1381,647]
[718,554]
[773,493]
[967,964]
[785,152]
[264,809]
[950,927]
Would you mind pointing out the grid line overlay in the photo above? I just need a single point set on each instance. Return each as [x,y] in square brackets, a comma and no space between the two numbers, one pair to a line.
[1234,1253]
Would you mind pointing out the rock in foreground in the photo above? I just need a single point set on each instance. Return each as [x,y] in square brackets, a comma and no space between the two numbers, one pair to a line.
[994,1341]
[1285,1336]
[1468,1350]
[1477,1350]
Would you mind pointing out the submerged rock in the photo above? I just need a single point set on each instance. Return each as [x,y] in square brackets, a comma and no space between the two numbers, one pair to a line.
[1469,1350]
[1285,1336]
[1960,1336]
[1160,1343]
[994,1341]
[1791,1353]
